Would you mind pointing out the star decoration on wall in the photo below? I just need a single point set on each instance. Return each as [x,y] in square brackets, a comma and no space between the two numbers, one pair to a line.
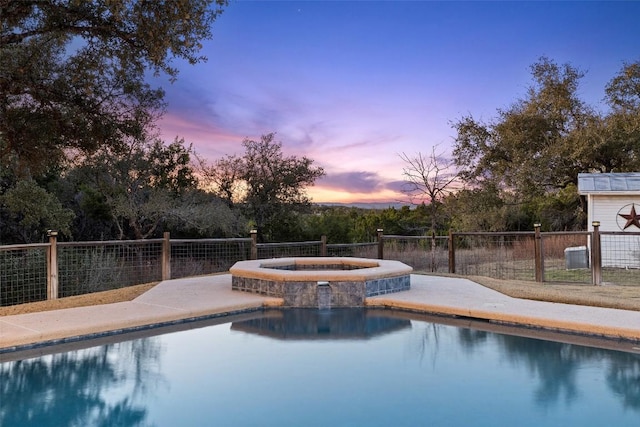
[632,218]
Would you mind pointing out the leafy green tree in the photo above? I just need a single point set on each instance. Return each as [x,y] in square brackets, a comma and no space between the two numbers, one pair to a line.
[487,208]
[151,187]
[270,186]
[197,213]
[391,220]
[621,142]
[561,210]
[418,220]
[355,225]
[72,73]
[533,146]
[334,222]
[533,151]
[29,210]
[623,91]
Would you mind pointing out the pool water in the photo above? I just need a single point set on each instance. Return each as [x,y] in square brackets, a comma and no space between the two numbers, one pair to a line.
[341,367]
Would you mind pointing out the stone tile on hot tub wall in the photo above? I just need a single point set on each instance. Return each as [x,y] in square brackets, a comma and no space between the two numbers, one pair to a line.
[300,294]
[387,285]
[242,284]
[298,287]
[252,285]
[304,298]
[372,287]
[278,288]
[401,283]
[343,299]
[347,294]
[271,288]
[356,288]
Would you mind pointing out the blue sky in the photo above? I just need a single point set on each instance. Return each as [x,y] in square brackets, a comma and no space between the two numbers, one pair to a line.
[353,84]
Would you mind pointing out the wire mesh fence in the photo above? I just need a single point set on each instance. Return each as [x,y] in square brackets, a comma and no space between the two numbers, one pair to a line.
[23,274]
[423,253]
[358,250]
[620,258]
[498,255]
[566,257]
[85,267]
[206,256]
[289,249]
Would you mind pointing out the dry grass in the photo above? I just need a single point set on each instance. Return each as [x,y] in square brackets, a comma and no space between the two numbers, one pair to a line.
[107,297]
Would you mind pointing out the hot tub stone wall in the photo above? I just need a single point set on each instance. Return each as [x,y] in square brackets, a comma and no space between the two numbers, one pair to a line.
[320,282]
[305,294]
[387,285]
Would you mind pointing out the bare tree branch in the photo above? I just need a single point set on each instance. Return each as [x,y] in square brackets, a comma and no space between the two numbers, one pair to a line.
[428,178]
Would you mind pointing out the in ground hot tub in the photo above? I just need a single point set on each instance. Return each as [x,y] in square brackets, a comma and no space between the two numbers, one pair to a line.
[321,281]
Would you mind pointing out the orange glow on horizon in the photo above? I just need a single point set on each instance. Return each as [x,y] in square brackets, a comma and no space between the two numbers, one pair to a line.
[325,195]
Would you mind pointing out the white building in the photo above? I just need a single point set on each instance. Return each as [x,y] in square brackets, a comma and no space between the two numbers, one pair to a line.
[613,199]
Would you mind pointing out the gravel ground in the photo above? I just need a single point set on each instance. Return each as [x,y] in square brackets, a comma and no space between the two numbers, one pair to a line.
[622,297]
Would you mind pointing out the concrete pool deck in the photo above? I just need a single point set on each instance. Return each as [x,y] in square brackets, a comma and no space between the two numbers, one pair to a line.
[199,297]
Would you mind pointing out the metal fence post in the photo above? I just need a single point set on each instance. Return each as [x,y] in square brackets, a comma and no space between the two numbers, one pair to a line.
[52,265]
[166,256]
[380,234]
[539,258]
[596,254]
[323,245]
[254,244]
[452,253]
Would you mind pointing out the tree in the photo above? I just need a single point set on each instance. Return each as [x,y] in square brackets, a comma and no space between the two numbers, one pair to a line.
[337,223]
[535,145]
[487,208]
[224,178]
[623,91]
[150,187]
[29,210]
[427,180]
[72,73]
[533,151]
[269,185]
[622,125]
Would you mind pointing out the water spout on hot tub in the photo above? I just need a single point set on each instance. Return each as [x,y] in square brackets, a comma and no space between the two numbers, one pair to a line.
[323,292]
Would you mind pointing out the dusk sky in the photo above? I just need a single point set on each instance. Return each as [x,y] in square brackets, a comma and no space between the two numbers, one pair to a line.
[353,84]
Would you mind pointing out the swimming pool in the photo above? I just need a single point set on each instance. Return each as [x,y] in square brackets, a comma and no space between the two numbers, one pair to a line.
[341,367]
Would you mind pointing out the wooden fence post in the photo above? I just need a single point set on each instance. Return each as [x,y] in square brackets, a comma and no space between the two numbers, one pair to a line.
[323,245]
[52,265]
[166,256]
[380,234]
[596,254]
[254,244]
[539,257]
[452,253]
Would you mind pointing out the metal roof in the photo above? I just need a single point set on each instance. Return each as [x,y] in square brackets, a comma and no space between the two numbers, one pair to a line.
[608,182]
